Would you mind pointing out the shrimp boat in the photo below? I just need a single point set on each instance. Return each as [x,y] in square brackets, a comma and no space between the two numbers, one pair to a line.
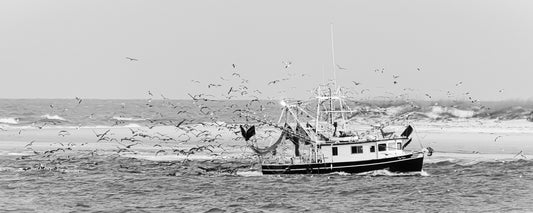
[327,142]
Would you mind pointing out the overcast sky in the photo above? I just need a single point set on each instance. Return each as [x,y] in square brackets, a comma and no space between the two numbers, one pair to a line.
[63,49]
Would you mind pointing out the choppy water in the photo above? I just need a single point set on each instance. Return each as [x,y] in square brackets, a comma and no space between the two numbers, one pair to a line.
[119,184]
[95,178]
[32,113]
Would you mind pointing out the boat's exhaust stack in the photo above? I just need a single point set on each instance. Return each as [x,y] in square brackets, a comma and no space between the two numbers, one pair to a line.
[407,132]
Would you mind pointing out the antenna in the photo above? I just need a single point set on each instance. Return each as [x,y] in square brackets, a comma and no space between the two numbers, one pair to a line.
[333,57]
[323,73]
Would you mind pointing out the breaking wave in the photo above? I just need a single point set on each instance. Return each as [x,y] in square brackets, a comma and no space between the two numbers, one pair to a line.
[53,117]
[384,172]
[438,112]
[98,113]
[119,118]
[9,120]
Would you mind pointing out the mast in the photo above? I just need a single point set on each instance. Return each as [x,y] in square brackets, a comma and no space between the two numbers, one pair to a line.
[330,107]
[333,57]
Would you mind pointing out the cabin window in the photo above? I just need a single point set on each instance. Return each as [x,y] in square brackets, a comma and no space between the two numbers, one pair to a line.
[399,146]
[382,147]
[334,151]
[372,148]
[357,149]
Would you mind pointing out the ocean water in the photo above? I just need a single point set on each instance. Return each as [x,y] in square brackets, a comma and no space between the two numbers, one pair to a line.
[477,166]
[27,113]
[119,184]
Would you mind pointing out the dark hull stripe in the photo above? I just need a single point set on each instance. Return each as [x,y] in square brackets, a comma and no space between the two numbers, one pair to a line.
[397,164]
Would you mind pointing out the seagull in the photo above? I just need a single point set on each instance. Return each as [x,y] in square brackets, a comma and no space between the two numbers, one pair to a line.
[460,82]
[418,68]
[204,107]
[495,139]
[159,152]
[341,68]
[214,85]
[521,154]
[29,144]
[41,127]
[132,59]
[287,64]
[63,133]
[233,66]
[395,76]
[180,123]
[129,146]
[79,100]
[429,96]
[150,93]
[273,82]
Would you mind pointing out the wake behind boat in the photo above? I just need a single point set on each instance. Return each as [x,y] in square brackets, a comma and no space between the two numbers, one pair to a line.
[327,142]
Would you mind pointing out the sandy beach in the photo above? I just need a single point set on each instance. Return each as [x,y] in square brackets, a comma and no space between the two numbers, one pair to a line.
[470,139]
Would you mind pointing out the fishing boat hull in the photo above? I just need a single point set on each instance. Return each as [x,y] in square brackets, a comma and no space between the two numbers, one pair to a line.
[404,163]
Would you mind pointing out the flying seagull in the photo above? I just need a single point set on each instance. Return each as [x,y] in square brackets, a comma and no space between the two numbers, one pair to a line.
[521,154]
[287,64]
[273,82]
[340,68]
[29,144]
[132,59]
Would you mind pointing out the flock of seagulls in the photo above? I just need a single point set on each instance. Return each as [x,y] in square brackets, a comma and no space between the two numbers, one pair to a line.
[190,135]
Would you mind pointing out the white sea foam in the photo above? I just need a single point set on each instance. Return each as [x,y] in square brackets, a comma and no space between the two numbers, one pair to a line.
[119,118]
[396,110]
[340,173]
[9,120]
[249,173]
[437,110]
[19,154]
[385,172]
[424,173]
[53,117]
[133,125]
